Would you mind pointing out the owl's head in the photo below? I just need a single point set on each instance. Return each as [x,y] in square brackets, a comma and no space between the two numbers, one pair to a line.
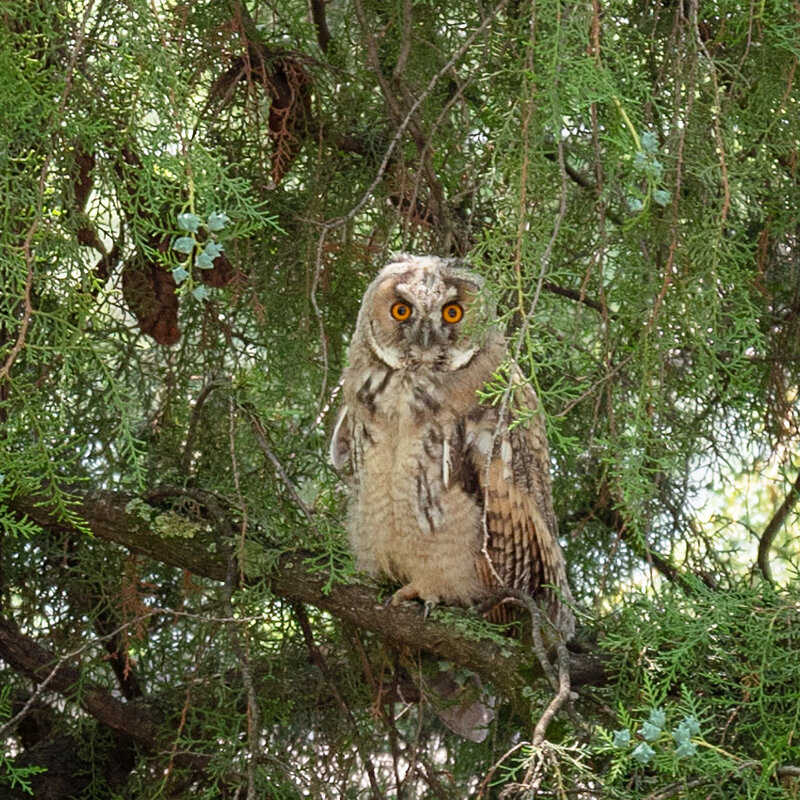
[422,310]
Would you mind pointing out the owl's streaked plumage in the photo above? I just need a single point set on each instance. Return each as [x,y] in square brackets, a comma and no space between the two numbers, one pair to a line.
[445,498]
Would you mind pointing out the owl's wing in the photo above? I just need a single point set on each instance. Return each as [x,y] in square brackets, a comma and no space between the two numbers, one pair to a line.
[521,548]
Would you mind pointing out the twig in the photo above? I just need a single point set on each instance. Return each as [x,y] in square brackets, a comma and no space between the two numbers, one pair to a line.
[574,294]
[391,95]
[261,437]
[527,112]
[409,117]
[329,403]
[187,704]
[237,483]
[774,525]
[521,335]
[726,189]
[534,774]
[677,788]
[563,695]
[323,338]
[580,180]
[560,682]
[405,47]
[612,371]
[445,225]
[484,784]
[186,461]
[242,652]
[787,771]
[537,621]
[27,310]
[243,656]
[674,789]
[675,210]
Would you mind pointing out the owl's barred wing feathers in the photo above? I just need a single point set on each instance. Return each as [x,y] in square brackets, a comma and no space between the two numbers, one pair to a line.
[521,548]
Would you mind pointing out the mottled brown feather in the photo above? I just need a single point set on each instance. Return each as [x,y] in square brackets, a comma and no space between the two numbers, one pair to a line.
[521,529]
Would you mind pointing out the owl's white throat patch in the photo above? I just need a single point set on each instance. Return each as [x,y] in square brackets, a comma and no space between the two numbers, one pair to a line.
[461,358]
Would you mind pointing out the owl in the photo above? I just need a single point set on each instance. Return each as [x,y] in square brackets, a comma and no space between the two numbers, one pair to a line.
[447,498]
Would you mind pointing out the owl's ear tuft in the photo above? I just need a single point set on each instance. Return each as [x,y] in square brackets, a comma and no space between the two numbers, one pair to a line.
[341,441]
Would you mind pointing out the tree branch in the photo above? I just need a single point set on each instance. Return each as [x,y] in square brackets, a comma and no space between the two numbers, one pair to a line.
[121,518]
[41,665]
[135,722]
[574,294]
[321,24]
[774,525]
[580,180]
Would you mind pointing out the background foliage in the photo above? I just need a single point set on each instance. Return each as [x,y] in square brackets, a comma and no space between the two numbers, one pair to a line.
[624,174]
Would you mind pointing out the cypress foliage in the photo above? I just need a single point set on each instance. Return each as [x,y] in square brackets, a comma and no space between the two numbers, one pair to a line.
[195,196]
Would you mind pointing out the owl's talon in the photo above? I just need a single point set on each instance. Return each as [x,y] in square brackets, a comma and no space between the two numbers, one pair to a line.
[407,592]
[410,592]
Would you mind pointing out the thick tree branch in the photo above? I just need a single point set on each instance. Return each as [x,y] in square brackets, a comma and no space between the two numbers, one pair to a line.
[129,722]
[122,519]
[320,21]
[39,664]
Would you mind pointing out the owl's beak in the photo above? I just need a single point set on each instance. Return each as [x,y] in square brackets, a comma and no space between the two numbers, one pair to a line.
[425,332]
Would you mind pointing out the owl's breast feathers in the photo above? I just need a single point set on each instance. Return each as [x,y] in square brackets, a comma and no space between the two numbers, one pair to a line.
[445,496]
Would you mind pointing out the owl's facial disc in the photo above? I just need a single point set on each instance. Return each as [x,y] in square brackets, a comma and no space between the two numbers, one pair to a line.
[420,312]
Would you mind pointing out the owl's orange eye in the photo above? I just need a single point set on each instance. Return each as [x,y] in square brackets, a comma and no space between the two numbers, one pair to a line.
[452,313]
[401,311]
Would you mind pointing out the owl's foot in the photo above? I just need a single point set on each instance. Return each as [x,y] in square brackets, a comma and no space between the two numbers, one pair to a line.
[412,592]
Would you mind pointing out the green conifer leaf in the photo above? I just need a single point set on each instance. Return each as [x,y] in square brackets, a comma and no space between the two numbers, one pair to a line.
[188,222]
[183,244]
[204,260]
[217,221]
